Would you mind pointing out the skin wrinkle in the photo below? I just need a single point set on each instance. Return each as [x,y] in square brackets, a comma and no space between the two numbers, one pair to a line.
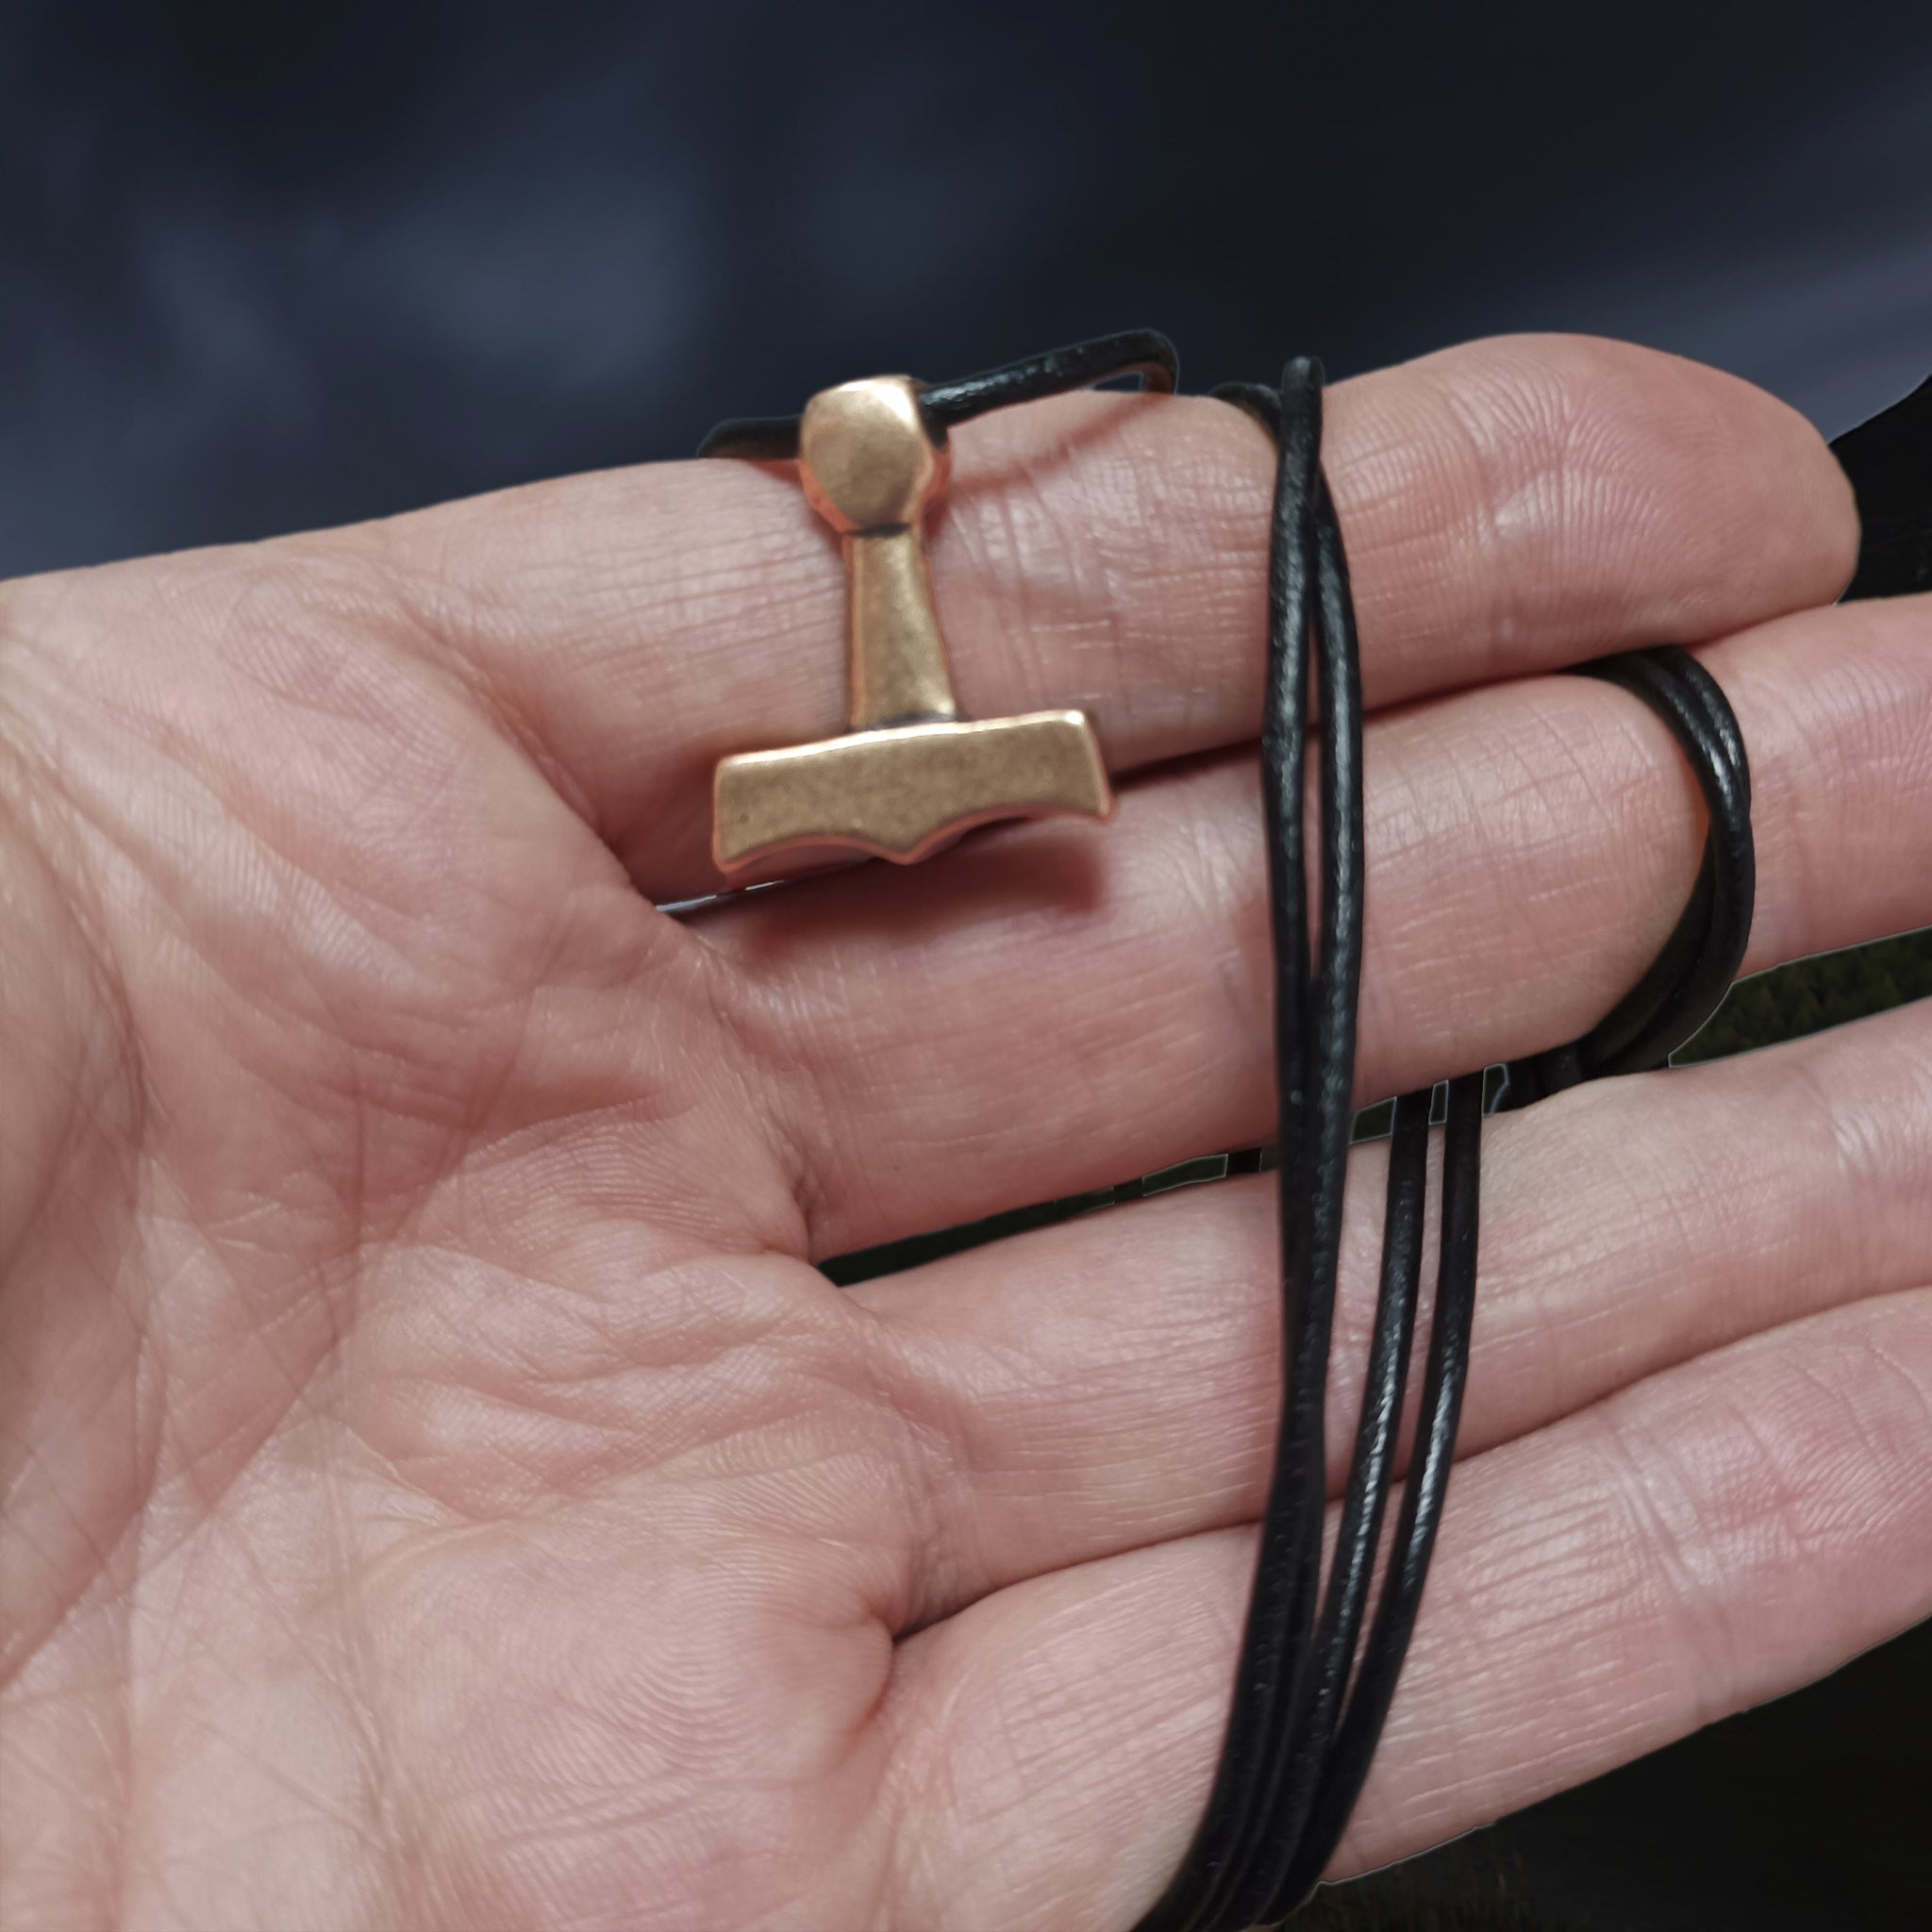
[1772,1455]
[1147,498]
[125,850]
[96,1597]
[1798,857]
[782,580]
[104,1064]
[101,824]
[198,1718]
[386,1789]
[1852,1178]
[258,812]
[99,1091]
[235,1450]
[788,1138]
[1483,523]
[1532,810]
[427,622]
[729,1001]
[1414,606]
[1211,851]
[393,1829]
[105,1277]
[954,1459]
[1852,1424]
[983,536]
[251,1432]
[1666,1529]
[34,1457]
[919,1454]
[735,1357]
[1565,1323]
[837,1375]
[1779,1524]
[941,1792]
[1861,711]
[724,1850]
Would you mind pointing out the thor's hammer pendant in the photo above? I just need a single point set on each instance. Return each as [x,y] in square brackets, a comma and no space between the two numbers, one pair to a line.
[910,775]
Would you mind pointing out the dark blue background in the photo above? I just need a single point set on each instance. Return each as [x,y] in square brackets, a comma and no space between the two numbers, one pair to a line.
[268,267]
[264,267]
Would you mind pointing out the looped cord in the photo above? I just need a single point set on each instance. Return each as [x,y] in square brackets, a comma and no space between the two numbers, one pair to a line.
[1312,1691]
[1141,352]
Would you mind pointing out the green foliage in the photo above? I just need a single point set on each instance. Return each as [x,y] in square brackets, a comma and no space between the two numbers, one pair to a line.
[1811,994]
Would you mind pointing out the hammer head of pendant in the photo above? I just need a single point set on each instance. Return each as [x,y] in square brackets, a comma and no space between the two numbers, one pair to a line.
[904,791]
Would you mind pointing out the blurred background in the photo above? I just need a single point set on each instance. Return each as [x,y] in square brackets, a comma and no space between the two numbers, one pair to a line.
[265,268]
[268,267]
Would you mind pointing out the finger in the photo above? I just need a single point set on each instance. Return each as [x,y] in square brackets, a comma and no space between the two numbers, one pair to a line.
[1509,506]
[1115,1380]
[1708,1539]
[1043,1012]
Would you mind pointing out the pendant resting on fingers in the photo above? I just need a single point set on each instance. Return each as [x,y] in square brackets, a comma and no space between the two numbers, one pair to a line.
[910,775]
[1320,1656]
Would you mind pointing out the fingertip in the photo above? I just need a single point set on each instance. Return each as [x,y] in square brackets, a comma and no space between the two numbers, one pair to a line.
[1778,499]
[1752,475]
[1603,496]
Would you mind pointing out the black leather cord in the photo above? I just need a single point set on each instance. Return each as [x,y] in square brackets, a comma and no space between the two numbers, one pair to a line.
[1312,1691]
[1141,352]
[1688,977]
[1278,1719]
[1277,1810]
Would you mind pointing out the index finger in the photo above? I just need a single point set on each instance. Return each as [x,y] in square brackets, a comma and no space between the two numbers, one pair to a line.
[1509,507]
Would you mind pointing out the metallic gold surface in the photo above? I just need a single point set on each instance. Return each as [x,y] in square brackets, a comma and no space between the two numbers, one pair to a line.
[865,459]
[896,657]
[903,791]
[910,776]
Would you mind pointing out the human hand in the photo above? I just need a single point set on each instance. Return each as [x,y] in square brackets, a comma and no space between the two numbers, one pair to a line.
[440,1489]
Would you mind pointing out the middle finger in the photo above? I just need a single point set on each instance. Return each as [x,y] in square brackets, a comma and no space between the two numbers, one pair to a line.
[1041,1011]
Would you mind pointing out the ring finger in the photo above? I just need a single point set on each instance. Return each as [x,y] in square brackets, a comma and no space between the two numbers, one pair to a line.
[1115,1380]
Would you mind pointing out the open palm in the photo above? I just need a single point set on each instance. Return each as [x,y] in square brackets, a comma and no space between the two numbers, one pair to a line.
[440,1489]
